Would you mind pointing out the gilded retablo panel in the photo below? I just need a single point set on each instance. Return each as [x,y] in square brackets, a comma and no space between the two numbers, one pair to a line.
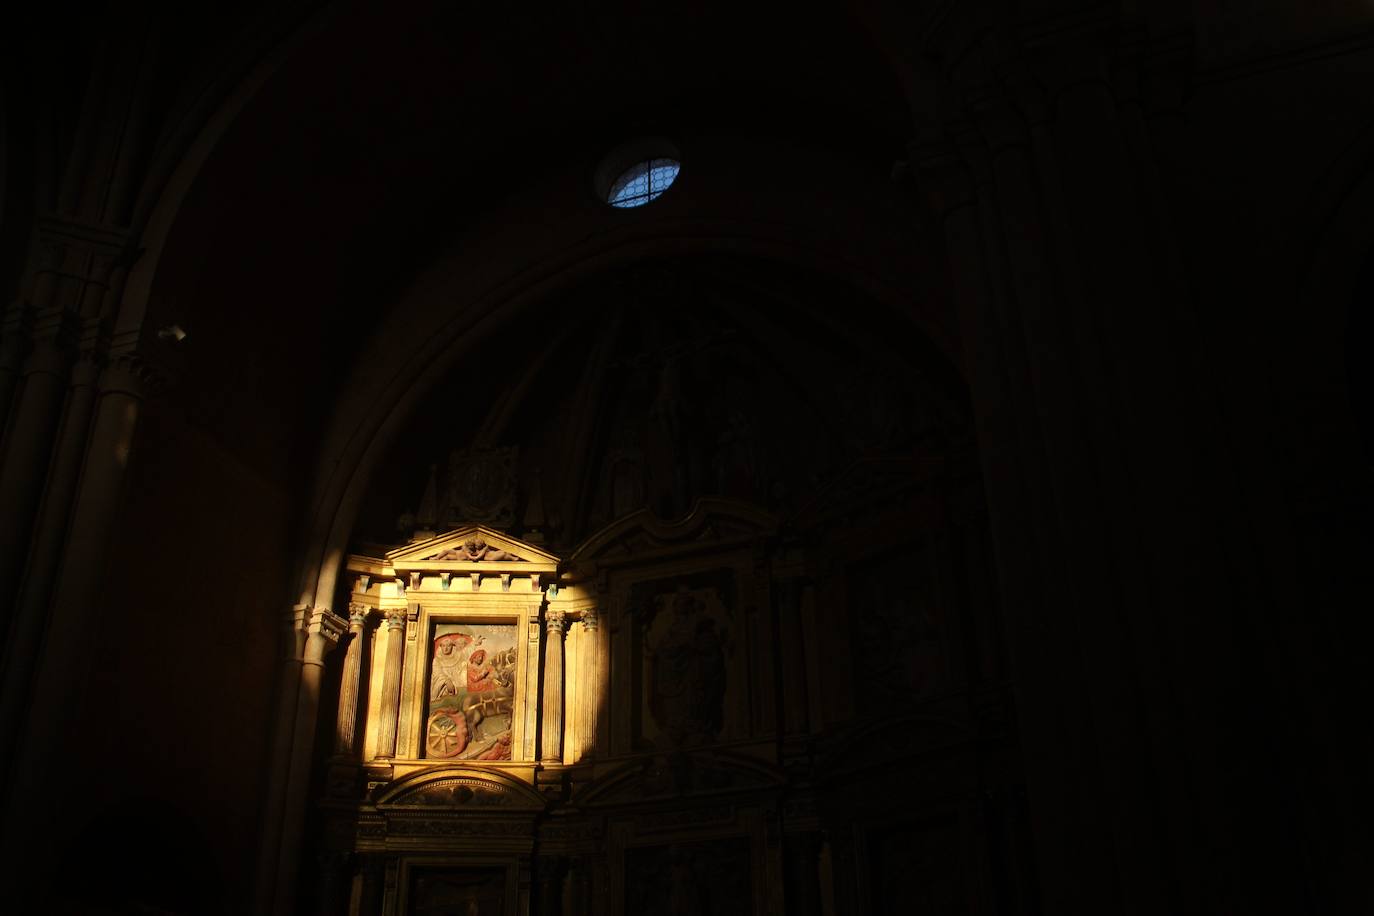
[471,691]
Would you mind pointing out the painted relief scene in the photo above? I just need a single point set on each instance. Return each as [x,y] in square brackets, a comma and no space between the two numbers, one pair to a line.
[471,692]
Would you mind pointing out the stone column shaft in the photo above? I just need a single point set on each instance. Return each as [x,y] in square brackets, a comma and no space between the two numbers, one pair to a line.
[346,742]
[589,682]
[391,682]
[1012,456]
[293,644]
[31,604]
[551,745]
[73,630]
[323,634]
[25,459]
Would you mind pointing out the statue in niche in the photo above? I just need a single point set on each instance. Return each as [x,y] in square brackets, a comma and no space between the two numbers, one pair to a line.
[687,673]
[474,550]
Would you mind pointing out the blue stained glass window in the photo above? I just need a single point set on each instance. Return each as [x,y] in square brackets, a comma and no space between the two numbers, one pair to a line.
[642,182]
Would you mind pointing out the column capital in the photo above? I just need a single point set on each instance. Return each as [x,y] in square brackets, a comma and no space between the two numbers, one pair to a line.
[395,618]
[130,374]
[324,622]
[555,621]
[590,618]
[295,618]
[357,615]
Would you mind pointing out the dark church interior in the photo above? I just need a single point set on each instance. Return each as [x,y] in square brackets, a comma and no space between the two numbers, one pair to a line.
[849,459]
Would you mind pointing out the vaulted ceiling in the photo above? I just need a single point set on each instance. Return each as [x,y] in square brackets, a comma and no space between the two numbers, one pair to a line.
[449,149]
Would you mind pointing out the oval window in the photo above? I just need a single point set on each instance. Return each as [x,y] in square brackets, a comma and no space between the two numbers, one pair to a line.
[642,182]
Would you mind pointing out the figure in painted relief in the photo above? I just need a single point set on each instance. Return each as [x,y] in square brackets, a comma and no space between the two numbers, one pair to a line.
[479,672]
[472,692]
[445,674]
[687,674]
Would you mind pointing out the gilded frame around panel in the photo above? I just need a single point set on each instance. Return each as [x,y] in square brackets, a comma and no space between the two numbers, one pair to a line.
[475,608]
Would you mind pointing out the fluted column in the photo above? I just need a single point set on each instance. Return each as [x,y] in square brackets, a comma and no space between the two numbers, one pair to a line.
[345,740]
[589,679]
[551,745]
[322,634]
[391,682]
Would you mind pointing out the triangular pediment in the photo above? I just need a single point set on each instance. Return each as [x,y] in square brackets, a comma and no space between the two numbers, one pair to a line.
[711,521]
[470,546]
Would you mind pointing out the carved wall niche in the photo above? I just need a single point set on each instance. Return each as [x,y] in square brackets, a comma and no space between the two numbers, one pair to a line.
[688,644]
[690,627]
[704,859]
[463,886]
